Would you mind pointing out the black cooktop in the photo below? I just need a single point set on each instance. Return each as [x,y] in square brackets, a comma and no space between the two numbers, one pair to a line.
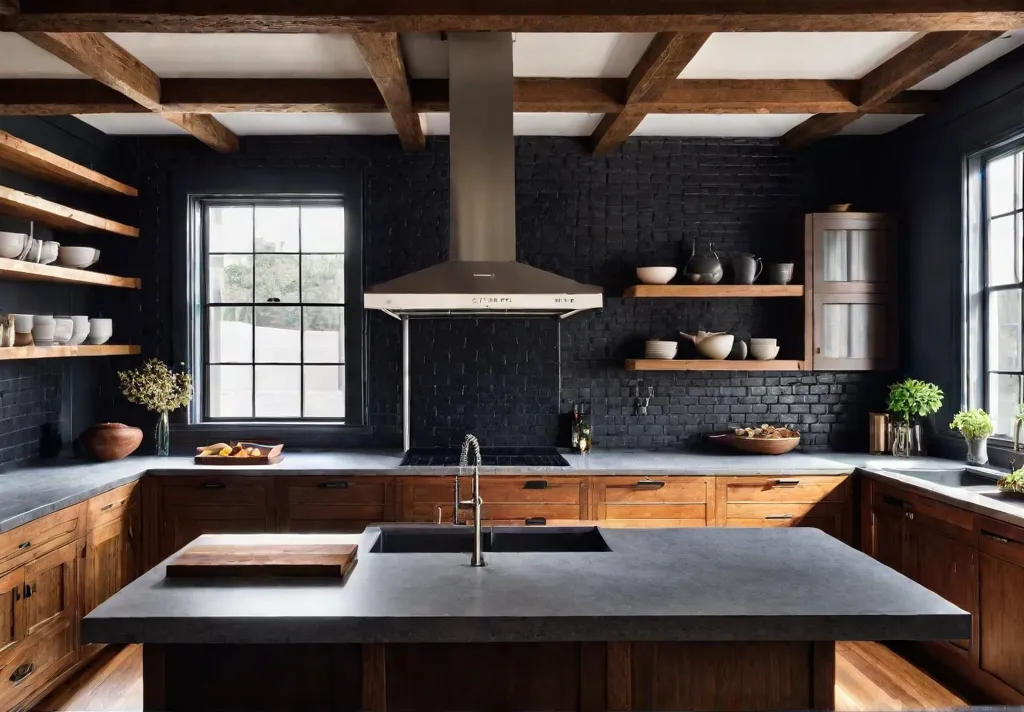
[492,457]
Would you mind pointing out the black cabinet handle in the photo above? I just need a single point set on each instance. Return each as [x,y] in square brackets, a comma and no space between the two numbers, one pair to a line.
[105,507]
[536,521]
[778,516]
[333,485]
[536,484]
[213,485]
[996,537]
[24,545]
[649,484]
[786,483]
[21,672]
[893,501]
[28,591]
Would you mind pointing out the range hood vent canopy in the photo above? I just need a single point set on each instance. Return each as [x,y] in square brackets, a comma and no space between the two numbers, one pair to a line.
[481,276]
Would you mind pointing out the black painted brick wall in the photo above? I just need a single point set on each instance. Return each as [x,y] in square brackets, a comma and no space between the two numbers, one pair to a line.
[591,218]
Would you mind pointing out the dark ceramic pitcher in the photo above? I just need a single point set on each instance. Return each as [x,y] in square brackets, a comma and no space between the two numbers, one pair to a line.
[746,268]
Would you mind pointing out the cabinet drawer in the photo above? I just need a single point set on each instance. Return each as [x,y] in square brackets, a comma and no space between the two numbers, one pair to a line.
[109,506]
[781,511]
[785,489]
[655,511]
[640,490]
[653,523]
[332,504]
[510,490]
[332,491]
[1001,540]
[44,535]
[33,663]
[503,513]
[215,491]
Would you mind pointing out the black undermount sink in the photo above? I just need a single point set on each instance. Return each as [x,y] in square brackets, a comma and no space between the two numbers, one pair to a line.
[459,540]
[961,477]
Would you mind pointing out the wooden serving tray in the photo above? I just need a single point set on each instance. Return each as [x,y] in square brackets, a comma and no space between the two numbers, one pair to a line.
[272,457]
[264,561]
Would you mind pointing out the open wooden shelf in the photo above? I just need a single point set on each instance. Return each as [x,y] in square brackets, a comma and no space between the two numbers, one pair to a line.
[710,291]
[14,353]
[30,207]
[24,157]
[19,271]
[647,364]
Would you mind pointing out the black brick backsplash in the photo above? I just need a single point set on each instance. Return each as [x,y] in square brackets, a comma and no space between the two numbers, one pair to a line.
[590,218]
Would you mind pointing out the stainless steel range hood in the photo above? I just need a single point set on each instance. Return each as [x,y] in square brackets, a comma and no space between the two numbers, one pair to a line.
[481,276]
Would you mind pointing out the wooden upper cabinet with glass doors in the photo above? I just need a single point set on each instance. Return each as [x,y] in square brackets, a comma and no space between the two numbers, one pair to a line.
[852,313]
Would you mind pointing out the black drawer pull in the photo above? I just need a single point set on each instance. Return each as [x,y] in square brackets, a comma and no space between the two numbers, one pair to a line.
[786,483]
[649,484]
[105,507]
[29,590]
[333,485]
[536,484]
[21,672]
[778,516]
[893,501]
[536,521]
[213,485]
[996,537]
[24,545]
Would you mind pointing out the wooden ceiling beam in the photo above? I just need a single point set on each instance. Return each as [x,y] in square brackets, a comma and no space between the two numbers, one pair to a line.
[512,16]
[383,57]
[665,57]
[96,55]
[61,97]
[893,77]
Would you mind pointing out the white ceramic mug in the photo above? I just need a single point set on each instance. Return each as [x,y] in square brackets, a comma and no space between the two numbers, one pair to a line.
[42,319]
[43,332]
[23,323]
[63,328]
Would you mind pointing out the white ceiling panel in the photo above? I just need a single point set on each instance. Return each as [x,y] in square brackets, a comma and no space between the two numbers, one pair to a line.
[19,58]
[954,72]
[132,124]
[543,54]
[871,124]
[236,55]
[794,55]
[719,125]
[528,124]
[260,124]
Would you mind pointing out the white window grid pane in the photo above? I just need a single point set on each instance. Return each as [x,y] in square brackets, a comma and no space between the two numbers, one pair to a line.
[255,364]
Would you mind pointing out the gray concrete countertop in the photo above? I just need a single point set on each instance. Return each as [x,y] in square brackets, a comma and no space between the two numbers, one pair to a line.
[655,584]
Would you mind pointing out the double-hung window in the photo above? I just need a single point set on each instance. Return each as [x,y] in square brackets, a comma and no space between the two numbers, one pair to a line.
[1002,247]
[273,313]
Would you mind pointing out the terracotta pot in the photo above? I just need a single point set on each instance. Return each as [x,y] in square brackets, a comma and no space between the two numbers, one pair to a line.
[110,441]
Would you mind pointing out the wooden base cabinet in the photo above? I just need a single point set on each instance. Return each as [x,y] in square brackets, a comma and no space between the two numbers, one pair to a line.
[1000,619]
[653,502]
[336,505]
[786,501]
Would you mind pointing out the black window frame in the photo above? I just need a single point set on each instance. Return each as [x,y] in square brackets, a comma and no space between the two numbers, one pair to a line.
[976,289]
[190,193]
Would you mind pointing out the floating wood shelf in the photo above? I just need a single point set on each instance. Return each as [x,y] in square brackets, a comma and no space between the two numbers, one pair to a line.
[711,291]
[639,364]
[19,271]
[30,207]
[14,353]
[27,158]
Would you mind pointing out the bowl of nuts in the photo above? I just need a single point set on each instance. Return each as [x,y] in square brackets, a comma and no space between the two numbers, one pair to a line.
[762,440]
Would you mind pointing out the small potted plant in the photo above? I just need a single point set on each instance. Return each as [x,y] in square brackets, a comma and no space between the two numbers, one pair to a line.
[1012,483]
[976,426]
[161,390]
[909,400]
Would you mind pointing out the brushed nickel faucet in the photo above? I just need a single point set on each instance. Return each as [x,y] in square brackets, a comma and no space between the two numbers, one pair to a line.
[475,503]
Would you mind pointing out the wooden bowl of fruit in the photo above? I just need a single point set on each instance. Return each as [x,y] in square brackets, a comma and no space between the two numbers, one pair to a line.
[239,454]
[762,440]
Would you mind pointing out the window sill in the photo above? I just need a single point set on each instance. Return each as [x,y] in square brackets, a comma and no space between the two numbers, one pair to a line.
[295,435]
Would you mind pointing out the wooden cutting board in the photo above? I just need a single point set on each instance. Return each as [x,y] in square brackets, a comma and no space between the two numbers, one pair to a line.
[264,560]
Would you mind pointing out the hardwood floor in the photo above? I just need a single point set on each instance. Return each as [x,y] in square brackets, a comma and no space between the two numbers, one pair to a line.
[869,676]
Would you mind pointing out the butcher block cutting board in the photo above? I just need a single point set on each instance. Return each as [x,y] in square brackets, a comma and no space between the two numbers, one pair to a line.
[264,561]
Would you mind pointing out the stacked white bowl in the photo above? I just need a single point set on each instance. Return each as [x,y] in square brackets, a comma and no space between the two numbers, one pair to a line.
[764,349]
[80,330]
[12,244]
[43,327]
[100,331]
[661,350]
[75,257]
[63,328]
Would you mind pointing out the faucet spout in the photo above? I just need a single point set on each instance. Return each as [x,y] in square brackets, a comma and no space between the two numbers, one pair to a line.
[476,503]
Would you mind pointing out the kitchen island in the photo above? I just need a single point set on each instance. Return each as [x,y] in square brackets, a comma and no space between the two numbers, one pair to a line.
[631,619]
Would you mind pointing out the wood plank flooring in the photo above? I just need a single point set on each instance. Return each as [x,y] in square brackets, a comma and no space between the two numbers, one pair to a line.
[869,676]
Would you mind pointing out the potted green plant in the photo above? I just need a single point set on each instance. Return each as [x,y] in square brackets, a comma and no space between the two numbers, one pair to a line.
[161,390]
[1012,483]
[976,426]
[909,400]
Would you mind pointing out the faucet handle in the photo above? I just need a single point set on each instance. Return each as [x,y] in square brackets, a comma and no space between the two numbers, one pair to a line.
[439,511]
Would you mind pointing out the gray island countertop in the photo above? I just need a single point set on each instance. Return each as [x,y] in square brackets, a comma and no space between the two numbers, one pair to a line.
[657,584]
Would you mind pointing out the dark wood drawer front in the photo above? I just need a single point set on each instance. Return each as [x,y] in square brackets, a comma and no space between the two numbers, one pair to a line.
[216,491]
[28,542]
[333,490]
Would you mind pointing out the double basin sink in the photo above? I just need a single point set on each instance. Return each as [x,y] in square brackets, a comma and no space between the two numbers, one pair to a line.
[459,540]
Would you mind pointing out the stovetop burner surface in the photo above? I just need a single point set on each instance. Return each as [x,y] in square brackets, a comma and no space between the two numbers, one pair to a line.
[492,457]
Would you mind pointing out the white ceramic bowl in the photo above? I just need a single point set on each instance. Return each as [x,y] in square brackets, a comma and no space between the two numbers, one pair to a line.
[764,342]
[43,332]
[763,352]
[23,323]
[50,250]
[76,257]
[12,244]
[63,328]
[656,275]
[42,319]
[717,346]
[100,331]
